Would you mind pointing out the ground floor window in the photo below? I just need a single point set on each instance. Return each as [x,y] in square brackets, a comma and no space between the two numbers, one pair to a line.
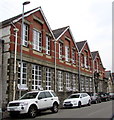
[74,82]
[48,79]
[82,84]
[36,77]
[60,81]
[86,84]
[68,83]
[91,85]
[23,74]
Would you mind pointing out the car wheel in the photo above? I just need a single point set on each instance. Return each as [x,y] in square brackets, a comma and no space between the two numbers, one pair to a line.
[89,102]
[32,112]
[79,104]
[55,108]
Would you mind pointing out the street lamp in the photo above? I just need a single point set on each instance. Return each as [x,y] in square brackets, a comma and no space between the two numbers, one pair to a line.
[25,3]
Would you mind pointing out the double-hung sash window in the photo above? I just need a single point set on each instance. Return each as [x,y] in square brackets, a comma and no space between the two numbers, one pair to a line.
[73,56]
[60,50]
[48,40]
[37,40]
[22,82]
[60,81]
[67,53]
[25,34]
[48,79]
[74,82]
[68,84]
[36,77]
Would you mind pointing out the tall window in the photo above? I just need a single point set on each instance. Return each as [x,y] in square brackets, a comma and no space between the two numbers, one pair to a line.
[48,45]
[48,79]
[82,84]
[87,84]
[37,40]
[73,56]
[36,77]
[68,84]
[60,81]
[24,74]
[25,35]
[74,82]
[82,60]
[67,53]
[60,50]
[91,84]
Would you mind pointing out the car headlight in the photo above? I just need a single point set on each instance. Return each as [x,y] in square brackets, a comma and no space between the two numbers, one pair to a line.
[23,103]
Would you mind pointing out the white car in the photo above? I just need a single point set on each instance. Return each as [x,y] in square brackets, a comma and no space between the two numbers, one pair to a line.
[34,101]
[77,100]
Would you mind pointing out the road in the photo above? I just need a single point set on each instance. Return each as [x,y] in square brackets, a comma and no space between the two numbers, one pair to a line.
[101,110]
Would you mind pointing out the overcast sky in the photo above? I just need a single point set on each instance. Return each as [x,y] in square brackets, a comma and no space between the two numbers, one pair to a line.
[89,20]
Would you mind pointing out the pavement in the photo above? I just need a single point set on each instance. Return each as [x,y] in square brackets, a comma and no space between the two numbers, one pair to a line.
[4,115]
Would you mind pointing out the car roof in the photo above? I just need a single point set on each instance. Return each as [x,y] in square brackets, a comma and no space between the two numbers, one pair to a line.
[40,91]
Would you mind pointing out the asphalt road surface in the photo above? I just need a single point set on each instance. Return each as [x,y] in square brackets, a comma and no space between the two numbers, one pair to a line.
[101,110]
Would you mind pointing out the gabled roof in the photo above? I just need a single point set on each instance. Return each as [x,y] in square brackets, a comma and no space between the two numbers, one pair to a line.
[18,17]
[94,54]
[80,45]
[8,21]
[58,32]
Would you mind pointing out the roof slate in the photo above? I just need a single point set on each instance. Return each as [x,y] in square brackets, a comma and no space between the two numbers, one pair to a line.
[8,21]
[80,44]
[58,32]
[94,54]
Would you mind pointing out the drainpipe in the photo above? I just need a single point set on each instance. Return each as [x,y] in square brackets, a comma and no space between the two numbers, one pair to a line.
[55,64]
[15,55]
[93,78]
[79,87]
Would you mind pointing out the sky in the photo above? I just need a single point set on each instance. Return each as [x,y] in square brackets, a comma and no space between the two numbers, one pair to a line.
[89,20]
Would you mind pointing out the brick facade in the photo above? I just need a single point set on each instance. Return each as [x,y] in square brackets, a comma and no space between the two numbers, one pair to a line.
[55,61]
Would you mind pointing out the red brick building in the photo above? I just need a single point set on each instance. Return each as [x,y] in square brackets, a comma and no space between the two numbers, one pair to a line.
[99,71]
[85,67]
[50,59]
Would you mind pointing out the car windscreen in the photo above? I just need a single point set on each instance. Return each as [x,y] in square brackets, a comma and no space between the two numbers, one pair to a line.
[73,96]
[29,96]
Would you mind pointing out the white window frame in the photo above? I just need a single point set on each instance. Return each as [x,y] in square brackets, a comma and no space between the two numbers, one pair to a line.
[48,43]
[36,77]
[68,83]
[60,81]
[25,34]
[22,82]
[74,82]
[73,56]
[67,51]
[37,40]
[48,79]
[60,50]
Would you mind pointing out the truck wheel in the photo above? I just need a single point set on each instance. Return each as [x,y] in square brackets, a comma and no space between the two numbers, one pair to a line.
[55,108]
[32,112]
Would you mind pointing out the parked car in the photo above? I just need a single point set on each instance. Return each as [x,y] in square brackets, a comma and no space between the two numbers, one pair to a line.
[108,96]
[111,95]
[34,101]
[95,98]
[77,100]
[104,96]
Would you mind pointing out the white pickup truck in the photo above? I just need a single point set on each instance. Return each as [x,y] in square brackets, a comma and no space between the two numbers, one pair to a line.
[33,102]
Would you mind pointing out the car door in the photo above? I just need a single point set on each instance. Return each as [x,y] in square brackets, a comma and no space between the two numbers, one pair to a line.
[49,99]
[82,99]
[42,100]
